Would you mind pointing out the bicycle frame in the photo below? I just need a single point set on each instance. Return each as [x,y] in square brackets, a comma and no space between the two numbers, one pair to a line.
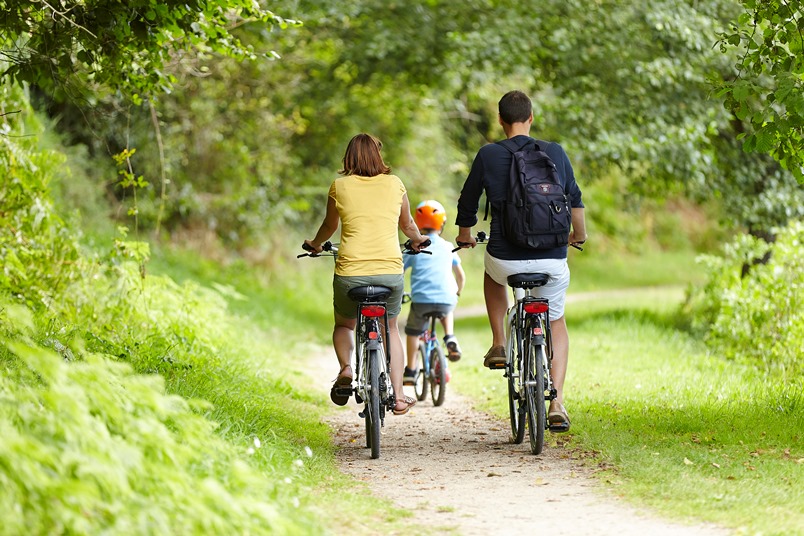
[369,331]
[433,373]
[529,361]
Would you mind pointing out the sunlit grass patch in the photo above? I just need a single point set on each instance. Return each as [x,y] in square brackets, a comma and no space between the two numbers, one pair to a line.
[690,434]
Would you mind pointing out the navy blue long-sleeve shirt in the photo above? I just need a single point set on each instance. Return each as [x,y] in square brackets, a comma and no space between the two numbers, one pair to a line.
[489,173]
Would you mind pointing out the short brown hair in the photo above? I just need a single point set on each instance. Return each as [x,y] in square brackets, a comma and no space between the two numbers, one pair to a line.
[363,157]
[515,107]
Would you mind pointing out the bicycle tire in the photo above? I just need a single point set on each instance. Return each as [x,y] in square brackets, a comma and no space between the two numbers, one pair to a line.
[368,427]
[513,372]
[438,382]
[373,405]
[534,391]
[422,374]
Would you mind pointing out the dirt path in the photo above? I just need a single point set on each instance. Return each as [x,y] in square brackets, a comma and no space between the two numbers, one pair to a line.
[454,468]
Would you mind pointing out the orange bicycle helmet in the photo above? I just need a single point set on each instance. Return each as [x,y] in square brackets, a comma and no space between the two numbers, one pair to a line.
[430,215]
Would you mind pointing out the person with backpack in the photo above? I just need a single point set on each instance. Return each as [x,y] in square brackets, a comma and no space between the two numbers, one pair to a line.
[536,213]
[436,281]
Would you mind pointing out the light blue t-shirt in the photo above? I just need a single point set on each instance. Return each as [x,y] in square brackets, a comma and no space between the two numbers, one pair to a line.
[431,278]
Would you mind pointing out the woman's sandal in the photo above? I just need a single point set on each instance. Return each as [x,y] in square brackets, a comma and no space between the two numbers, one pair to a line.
[407,401]
[340,392]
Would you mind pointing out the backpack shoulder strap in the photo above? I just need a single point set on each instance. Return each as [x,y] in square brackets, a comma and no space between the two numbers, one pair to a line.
[509,145]
[512,148]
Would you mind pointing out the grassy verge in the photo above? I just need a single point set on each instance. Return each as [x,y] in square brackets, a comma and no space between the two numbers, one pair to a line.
[665,424]
[271,396]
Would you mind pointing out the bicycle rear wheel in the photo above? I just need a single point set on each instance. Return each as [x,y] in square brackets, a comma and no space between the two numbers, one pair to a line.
[422,373]
[438,383]
[534,393]
[516,404]
[373,405]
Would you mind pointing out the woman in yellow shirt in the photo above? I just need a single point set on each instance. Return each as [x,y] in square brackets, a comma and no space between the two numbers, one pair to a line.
[370,205]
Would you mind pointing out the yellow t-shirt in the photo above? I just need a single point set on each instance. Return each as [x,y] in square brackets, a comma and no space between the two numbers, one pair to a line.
[369,210]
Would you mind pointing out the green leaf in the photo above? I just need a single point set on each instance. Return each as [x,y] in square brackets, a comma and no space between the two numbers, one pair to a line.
[765,138]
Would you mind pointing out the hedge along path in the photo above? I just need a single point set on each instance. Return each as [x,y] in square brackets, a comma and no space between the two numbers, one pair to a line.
[453,467]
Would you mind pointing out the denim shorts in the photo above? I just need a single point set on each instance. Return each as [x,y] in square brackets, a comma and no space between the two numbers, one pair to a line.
[556,288]
[341,284]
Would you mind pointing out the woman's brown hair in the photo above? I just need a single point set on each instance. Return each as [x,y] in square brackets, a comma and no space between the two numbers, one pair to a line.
[363,157]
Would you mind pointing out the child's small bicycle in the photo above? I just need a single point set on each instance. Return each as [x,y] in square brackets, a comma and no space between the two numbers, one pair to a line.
[431,363]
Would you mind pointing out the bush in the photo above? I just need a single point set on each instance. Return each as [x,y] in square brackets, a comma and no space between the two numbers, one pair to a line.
[89,447]
[758,318]
[37,250]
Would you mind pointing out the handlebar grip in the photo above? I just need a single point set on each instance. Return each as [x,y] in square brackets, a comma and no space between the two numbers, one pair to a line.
[409,249]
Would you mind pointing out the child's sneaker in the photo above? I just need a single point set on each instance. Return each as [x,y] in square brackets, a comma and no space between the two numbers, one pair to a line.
[409,378]
[453,348]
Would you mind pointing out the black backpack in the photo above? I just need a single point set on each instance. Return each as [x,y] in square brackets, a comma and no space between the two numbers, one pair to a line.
[536,214]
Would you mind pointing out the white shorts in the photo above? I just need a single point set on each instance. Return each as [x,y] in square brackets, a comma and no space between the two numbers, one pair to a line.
[556,288]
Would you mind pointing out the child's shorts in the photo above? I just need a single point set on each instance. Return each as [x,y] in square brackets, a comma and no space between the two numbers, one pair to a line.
[417,322]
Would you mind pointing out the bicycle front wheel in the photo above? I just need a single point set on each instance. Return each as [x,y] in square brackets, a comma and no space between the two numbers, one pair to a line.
[513,370]
[438,383]
[373,404]
[422,373]
[534,394]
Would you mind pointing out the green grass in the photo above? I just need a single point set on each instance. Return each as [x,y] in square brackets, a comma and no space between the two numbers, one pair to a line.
[665,424]
[270,396]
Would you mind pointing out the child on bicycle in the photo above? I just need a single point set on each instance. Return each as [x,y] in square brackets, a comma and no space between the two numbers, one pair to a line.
[436,282]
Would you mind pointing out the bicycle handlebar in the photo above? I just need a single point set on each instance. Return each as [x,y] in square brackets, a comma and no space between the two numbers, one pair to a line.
[326,246]
[483,237]
[332,250]
[406,248]
[479,239]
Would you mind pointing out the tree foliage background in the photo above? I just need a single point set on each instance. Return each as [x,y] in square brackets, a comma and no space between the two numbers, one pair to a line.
[241,147]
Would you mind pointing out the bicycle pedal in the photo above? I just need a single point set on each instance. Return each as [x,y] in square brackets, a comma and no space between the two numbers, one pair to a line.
[497,367]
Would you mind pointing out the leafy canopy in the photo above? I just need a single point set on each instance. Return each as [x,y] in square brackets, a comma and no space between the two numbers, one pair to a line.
[128,46]
[768,91]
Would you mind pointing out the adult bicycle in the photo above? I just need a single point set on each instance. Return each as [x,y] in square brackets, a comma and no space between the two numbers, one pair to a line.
[529,356]
[371,384]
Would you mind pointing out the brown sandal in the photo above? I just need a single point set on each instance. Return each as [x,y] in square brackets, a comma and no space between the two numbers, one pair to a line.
[409,403]
[341,389]
[342,379]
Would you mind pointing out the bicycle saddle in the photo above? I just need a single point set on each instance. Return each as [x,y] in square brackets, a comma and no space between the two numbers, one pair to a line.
[528,280]
[370,293]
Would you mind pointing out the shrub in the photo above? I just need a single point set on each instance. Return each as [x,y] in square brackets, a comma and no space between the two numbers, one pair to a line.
[90,447]
[758,318]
